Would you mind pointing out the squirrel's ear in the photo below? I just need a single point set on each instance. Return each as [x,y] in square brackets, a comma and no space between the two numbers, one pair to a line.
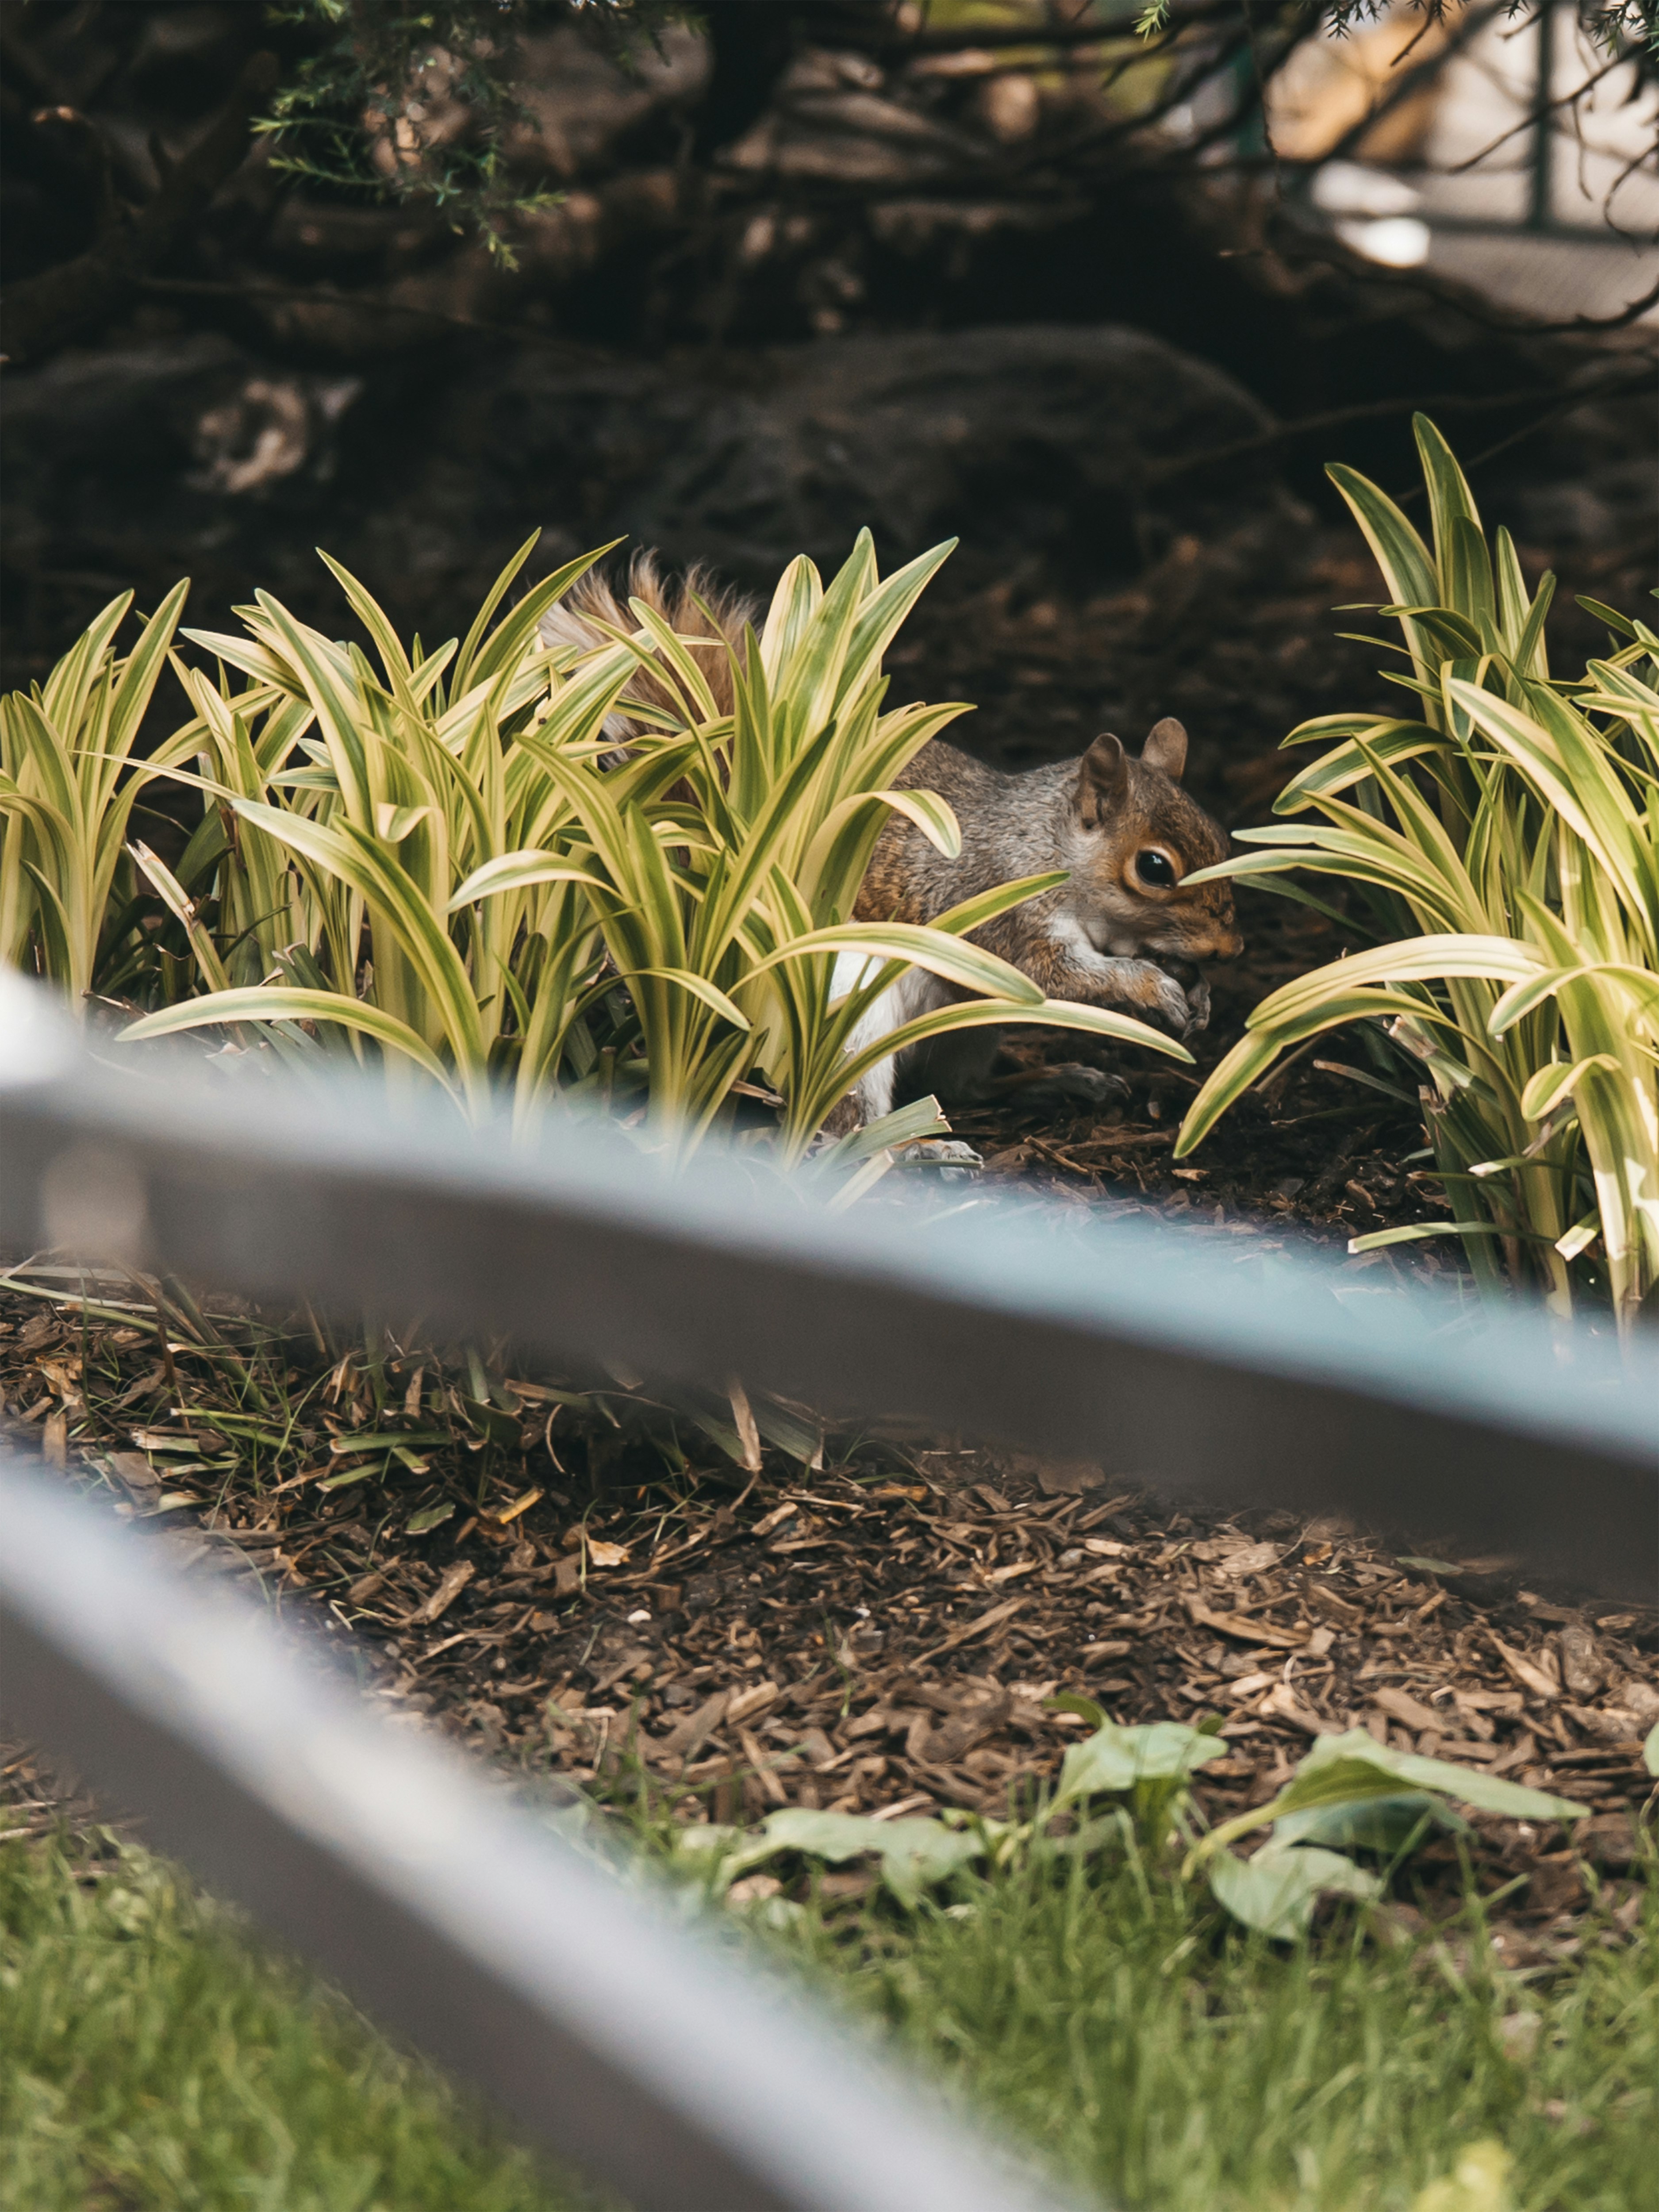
[1102,779]
[1166,748]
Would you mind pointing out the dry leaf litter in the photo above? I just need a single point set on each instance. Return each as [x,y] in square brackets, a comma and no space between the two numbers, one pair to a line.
[535,1569]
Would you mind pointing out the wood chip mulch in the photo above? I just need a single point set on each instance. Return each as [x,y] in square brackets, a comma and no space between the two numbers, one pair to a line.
[876,1635]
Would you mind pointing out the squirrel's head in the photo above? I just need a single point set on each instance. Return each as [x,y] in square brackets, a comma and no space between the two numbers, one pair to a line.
[1137,837]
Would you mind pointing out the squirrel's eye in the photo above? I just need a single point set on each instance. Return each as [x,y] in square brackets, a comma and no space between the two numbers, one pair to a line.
[1155,868]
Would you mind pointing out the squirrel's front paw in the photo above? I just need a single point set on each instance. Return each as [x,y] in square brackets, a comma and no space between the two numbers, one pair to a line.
[1151,992]
[1198,1008]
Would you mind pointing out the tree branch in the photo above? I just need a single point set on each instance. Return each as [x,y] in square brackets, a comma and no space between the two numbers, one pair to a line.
[46,312]
[1446,402]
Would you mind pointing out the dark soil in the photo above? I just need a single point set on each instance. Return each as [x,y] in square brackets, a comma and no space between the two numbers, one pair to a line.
[879,1631]
[585,1585]
[576,1579]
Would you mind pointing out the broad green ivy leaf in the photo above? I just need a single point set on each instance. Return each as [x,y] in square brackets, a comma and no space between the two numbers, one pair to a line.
[1069,1701]
[1353,1768]
[1383,1825]
[1116,1758]
[1276,1891]
[1468,1785]
[913,1853]
[708,1839]
[917,1852]
[1335,1782]
[1650,1750]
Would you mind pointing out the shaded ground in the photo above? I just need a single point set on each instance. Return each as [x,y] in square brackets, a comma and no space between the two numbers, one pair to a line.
[880,1631]
[580,1582]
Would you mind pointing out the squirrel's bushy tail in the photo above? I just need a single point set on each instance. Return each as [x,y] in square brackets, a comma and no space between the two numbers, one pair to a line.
[594,605]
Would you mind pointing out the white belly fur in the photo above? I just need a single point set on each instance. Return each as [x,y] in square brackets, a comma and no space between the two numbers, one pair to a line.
[916,991]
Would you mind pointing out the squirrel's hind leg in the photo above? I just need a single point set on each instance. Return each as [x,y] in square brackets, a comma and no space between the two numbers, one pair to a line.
[1069,1084]
[956,1067]
[914,993]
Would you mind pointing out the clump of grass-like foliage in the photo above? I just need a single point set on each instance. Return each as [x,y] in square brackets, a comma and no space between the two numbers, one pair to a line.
[436,861]
[1506,833]
[1087,2003]
[150,2056]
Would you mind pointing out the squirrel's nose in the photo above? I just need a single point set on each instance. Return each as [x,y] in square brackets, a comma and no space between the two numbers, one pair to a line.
[1219,945]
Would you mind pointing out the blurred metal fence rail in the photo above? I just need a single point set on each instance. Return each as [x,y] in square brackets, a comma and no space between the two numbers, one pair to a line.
[1134,1346]
[610,2035]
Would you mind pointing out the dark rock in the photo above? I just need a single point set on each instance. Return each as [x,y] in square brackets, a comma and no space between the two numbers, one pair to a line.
[1039,447]
[1036,447]
[130,470]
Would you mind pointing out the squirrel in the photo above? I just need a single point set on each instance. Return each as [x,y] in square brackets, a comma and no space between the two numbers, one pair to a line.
[1124,827]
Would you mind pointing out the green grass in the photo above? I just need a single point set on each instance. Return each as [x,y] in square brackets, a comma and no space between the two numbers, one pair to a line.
[151,2056]
[153,2060]
[1174,2064]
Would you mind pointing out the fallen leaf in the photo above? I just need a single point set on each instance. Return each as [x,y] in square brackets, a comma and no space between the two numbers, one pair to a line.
[688,1739]
[1402,1707]
[1582,1669]
[742,1703]
[975,1628]
[1250,1561]
[606,1555]
[1247,1630]
[54,1438]
[135,1470]
[742,1417]
[1530,1676]
[455,1580]
[1284,1704]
